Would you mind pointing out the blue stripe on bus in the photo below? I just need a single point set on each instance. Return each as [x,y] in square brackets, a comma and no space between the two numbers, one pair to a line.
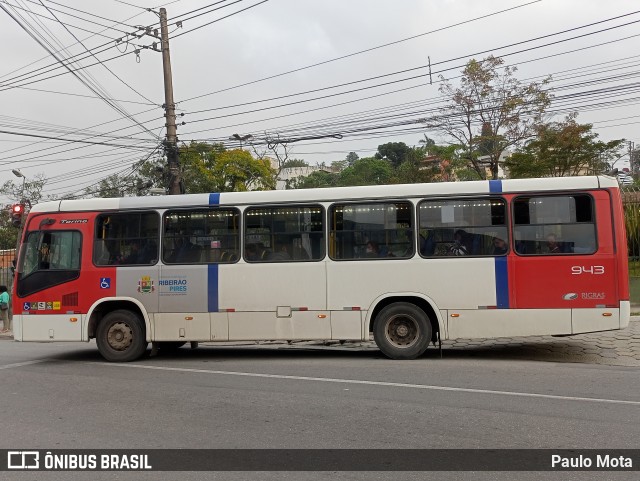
[502,282]
[212,270]
[495,186]
[212,287]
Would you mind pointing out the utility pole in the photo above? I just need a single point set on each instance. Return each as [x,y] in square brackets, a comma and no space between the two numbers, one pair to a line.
[633,165]
[171,141]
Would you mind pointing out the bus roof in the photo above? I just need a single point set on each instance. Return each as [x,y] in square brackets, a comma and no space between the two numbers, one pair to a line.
[481,187]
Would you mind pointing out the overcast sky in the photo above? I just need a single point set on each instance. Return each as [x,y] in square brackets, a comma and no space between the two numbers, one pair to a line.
[595,75]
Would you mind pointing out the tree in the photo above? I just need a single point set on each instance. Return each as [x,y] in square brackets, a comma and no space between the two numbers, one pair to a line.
[30,189]
[295,163]
[490,109]
[276,147]
[351,158]
[318,178]
[211,168]
[366,171]
[31,192]
[394,152]
[562,149]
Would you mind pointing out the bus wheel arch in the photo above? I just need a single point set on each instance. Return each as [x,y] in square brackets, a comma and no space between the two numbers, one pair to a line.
[99,310]
[403,326]
[120,336]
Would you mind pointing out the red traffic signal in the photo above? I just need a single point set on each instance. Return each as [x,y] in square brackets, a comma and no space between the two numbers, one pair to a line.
[17,210]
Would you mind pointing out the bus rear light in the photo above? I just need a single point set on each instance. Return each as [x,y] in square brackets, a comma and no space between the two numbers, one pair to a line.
[607,314]
[322,316]
[188,318]
[352,308]
[73,319]
[299,308]
[455,314]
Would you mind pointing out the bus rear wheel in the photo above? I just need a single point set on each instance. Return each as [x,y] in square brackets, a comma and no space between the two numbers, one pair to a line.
[120,336]
[402,331]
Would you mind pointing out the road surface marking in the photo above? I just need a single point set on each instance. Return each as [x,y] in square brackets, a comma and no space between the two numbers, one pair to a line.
[375,383]
[25,363]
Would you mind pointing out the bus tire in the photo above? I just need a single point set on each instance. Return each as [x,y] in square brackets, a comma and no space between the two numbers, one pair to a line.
[402,331]
[120,336]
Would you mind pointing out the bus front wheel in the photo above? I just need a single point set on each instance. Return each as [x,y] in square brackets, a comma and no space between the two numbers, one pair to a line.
[120,336]
[402,331]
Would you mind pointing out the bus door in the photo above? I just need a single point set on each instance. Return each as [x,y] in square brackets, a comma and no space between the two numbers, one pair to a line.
[51,295]
[565,259]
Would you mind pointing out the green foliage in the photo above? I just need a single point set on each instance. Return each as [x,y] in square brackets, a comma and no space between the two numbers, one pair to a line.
[563,149]
[490,96]
[294,163]
[8,233]
[395,152]
[319,178]
[351,158]
[367,171]
[211,168]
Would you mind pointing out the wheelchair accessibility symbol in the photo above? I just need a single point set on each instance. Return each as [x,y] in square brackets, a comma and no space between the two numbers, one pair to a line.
[105,282]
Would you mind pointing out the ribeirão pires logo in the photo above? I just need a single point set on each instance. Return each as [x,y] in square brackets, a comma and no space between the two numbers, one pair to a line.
[145,285]
[571,296]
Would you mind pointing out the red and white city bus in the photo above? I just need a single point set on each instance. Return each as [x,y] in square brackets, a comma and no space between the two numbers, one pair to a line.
[411,264]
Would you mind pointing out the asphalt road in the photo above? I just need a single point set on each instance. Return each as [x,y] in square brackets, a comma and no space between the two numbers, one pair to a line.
[56,396]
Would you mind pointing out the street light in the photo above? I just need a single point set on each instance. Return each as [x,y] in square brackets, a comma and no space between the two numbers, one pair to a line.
[240,139]
[19,174]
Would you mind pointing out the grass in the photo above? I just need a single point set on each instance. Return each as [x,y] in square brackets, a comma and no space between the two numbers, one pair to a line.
[634,290]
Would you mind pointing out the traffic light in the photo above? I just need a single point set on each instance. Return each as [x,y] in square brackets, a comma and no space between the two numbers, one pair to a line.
[17,210]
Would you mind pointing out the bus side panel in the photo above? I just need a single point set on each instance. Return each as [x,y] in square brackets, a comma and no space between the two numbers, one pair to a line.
[453,283]
[487,323]
[52,327]
[283,300]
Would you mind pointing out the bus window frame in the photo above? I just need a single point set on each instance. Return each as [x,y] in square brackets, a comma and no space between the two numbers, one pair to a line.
[505,226]
[323,216]
[594,223]
[199,209]
[49,272]
[94,238]
[412,242]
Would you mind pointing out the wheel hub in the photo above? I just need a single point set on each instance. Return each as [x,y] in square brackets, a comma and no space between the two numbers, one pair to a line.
[402,331]
[120,336]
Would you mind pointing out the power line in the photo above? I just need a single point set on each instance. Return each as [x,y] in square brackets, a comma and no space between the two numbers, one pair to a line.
[91,84]
[111,102]
[410,70]
[219,19]
[67,47]
[359,52]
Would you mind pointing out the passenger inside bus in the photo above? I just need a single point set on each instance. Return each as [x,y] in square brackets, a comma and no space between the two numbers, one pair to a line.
[553,247]
[186,251]
[499,246]
[372,249]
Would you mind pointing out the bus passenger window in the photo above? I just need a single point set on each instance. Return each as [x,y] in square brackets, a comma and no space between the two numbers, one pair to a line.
[380,230]
[201,236]
[463,227]
[554,225]
[284,234]
[126,239]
